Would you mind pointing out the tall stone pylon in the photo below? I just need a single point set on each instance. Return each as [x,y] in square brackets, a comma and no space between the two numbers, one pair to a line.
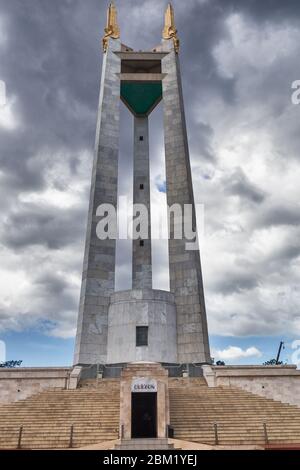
[141,324]
[184,265]
[98,277]
[142,259]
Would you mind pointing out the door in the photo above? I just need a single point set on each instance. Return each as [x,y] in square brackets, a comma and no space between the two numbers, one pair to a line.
[143,415]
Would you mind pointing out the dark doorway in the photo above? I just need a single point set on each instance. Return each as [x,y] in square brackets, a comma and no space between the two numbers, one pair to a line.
[143,415]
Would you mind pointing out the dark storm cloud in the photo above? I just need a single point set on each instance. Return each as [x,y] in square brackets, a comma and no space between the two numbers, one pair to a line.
[200,141]
[51,63]
[239,185]
[201,27]
[57,284]
[47,226]
[236,282]
[15,153]
[280,215]
[268,10]
[288,253]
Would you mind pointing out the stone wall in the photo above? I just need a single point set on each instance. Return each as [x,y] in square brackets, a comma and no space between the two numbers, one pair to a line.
[18,384]
[277,382]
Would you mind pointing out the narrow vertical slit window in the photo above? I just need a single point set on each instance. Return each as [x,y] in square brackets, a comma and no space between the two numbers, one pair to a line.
[142,336]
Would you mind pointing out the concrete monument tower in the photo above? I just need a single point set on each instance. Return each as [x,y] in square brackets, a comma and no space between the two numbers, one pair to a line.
[141,324]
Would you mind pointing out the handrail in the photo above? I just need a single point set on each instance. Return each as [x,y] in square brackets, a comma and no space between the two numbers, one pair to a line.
[266,433]
[216,434]
[71,436]
[92,371]
[20,437]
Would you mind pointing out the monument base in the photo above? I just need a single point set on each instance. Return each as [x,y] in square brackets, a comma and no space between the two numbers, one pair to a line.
[148,309]
[146,404]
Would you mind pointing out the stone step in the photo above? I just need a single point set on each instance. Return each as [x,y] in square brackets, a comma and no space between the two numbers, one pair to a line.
[144,444]
[144,447]
[47,418]
[239,415]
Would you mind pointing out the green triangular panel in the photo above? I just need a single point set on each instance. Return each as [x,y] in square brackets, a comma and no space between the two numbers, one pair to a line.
[141,97]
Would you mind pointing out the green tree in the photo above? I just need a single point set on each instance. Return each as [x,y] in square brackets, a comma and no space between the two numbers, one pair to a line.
[10,364]
[272,362]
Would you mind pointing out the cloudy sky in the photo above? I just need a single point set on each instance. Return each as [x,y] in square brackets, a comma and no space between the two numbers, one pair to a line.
[238,60]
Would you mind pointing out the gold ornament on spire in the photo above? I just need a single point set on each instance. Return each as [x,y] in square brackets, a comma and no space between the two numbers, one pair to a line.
[170,31]
[112,29]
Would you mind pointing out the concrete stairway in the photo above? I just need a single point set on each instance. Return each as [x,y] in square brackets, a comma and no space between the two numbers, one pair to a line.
[93,410]
[239,415]
[144,444]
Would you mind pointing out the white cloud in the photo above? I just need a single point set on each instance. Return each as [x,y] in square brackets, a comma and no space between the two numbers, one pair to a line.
[235,353]
[239,52]
[42,291]
[9,118]
[2,351]
[40,286]
[251,253]
[250,259]
[65,189]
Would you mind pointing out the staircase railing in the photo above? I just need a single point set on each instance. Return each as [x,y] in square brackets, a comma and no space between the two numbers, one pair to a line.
[217,435]
[20,437]
[71,437]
